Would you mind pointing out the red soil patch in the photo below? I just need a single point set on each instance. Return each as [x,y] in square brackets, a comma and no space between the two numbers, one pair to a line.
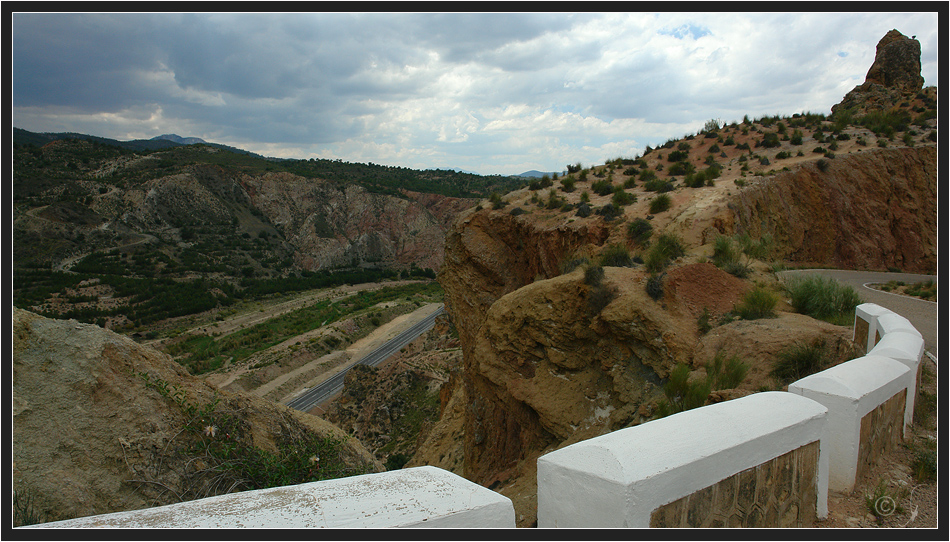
[703,285]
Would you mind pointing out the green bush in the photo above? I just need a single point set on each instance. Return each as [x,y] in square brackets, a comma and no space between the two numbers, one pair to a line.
[660,204]
[615,255]
[594,275]
[602,187]
[757,303]
[621,197]
[681,394]
[725,373]
[799,361]
[703,322]
[925,290]
[496,201]
[609,212]
[599,295]
[640,231]
[654,287]
[666,248]
[567,184]
[658,185]
[823,298]
[924,465]
[568,266]
[728,257]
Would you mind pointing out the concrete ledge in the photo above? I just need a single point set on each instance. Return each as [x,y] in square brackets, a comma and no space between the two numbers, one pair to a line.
[417,497]
[850,391]
[619,479]
[865,324]
[907,348]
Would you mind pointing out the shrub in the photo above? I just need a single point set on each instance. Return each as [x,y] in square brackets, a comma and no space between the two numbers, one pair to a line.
[654,287]
[622,197]
[567,184]
[755,248]
[799,361]
[681,394]
[615,255]
[681,168]
[602,188]
[640,231]
[593,275]
[823,298]
[599,295]
[658,185]
[609,212]
[757,303]
[728,257]
[647,175]
[703,322]
[660,204]
[677,156]
[496,201]
[924,465]
[770,140]
[723,373]
[583,210]
[695,180]
[572,264]
[925,290]
[666,248]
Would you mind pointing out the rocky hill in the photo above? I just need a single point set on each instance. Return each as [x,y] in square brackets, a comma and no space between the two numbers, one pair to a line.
[304,223]
[571,318]
[102,424]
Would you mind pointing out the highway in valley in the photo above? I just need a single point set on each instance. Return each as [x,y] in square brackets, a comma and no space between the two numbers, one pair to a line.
[333,385]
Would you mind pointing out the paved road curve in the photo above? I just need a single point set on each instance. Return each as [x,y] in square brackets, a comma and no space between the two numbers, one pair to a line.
[318,394]
[922,314]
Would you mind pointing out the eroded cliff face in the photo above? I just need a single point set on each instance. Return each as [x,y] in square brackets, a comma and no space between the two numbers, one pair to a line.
[324,225]
[875,209]
[543,368]
[332,226]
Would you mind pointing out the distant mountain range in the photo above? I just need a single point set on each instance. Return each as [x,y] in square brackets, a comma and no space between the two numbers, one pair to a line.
[535,173]
[165,141]
[181,140]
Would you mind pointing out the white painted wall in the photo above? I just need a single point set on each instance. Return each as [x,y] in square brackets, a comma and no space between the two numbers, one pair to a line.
[619,479]
[907,348]
[416,497]
[850,391]
[869,312]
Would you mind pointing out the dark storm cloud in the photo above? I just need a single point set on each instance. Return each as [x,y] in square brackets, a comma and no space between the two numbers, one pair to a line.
[413,88]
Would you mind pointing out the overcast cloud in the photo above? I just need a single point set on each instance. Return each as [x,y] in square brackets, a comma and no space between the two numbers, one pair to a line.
[489,93]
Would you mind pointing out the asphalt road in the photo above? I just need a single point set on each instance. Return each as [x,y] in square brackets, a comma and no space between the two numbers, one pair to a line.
[922,314]
[333,385]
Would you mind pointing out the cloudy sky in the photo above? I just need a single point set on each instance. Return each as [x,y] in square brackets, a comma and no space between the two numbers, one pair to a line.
[484,92]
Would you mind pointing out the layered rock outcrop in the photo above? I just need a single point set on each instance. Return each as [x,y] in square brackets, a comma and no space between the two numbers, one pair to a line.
[319,224]
[875,209]
[894,75]
[332,225]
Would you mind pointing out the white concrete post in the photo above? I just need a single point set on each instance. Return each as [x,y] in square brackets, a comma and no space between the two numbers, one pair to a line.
[850,391]
[907,348]
[868,313]
[619,479]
